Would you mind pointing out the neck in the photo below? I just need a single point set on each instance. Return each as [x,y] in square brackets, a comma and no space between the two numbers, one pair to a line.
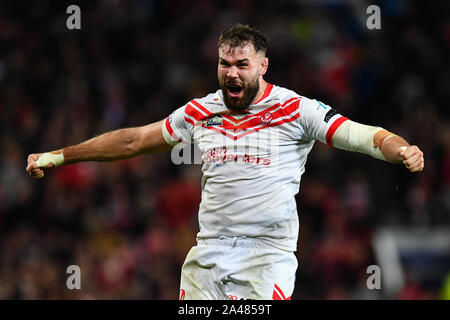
[262,89]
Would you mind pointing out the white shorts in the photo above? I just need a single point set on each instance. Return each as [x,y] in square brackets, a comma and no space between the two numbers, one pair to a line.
[237,268]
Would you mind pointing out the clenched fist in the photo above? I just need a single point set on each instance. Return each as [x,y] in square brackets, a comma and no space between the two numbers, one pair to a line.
[38,162]
[412,158]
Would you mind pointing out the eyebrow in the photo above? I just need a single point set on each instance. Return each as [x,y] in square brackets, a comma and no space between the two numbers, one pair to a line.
[237,62]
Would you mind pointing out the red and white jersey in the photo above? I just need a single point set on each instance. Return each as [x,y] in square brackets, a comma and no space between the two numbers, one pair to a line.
[252,161]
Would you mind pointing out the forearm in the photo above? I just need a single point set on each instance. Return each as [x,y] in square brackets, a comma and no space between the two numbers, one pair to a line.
[390,148]
[110,146]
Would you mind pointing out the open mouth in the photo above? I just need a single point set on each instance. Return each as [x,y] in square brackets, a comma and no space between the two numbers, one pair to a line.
[234,91]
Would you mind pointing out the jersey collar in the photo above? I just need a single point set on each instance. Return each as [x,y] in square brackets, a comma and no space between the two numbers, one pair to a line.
[266,93]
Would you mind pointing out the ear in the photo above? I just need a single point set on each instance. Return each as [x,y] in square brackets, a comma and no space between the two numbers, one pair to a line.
[264,66]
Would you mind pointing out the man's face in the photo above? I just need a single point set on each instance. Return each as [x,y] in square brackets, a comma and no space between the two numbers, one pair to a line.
[238,71]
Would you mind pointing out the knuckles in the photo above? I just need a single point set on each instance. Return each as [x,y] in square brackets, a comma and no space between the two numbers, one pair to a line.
[31,167]
[413,151]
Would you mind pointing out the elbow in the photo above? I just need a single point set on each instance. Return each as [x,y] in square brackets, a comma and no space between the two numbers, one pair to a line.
[131,150]
[130,138]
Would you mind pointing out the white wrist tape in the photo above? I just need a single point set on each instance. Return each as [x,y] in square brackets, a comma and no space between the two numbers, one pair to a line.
[357,137]
[56,158]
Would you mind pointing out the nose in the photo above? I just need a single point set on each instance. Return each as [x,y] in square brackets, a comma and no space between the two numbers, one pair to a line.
[232,72]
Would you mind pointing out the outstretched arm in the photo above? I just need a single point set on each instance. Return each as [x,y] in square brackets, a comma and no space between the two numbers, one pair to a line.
[379,143]
[110,146]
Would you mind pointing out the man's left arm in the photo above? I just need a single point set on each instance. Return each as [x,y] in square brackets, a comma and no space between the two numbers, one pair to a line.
[378,143]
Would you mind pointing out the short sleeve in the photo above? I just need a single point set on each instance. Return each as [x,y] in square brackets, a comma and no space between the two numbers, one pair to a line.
[319,121]
[175,128]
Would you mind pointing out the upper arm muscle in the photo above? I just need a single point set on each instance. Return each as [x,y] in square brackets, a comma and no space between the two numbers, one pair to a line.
[151,139]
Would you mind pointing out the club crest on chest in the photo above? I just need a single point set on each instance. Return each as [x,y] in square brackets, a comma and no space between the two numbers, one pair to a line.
[266,118]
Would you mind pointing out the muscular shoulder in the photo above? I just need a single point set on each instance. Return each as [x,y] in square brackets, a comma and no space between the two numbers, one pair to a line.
[283,94]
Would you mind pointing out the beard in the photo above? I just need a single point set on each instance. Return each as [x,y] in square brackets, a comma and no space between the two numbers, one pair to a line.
[239,104]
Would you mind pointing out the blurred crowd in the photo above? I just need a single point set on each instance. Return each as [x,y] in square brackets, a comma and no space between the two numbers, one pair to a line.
[129,224]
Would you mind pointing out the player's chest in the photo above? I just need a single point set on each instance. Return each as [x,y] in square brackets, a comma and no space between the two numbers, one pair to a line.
[257,132]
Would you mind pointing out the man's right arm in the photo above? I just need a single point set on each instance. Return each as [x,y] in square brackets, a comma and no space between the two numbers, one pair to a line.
[110,146]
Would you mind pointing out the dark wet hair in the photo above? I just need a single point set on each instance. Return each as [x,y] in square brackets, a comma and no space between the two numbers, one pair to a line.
[241,35]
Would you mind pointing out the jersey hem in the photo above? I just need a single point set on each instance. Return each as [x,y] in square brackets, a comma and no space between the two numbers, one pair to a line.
[232,241]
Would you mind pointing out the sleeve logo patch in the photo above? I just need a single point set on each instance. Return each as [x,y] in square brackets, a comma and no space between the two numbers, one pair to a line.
[332,112]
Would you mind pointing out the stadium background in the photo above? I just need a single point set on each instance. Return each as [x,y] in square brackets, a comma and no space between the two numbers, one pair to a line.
[129,224]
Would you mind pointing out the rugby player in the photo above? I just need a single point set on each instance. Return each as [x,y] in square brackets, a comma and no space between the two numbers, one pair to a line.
[255,138]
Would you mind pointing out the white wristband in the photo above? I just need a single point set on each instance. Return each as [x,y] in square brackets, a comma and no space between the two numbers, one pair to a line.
[46,158]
